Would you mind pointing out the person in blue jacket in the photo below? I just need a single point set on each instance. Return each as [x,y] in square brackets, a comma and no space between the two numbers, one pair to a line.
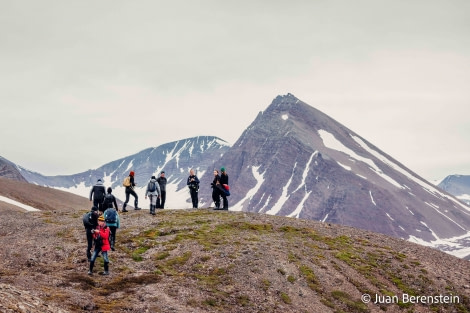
[111,216]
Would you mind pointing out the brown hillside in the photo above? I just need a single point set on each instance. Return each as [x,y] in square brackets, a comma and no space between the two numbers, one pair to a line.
[209,261]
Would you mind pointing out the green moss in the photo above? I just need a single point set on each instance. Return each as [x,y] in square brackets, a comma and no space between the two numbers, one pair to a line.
[285,298]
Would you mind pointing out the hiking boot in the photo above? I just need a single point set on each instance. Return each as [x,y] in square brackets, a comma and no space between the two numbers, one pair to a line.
[137,209]
[106,273]
[90,273]
[112,248]
[124,210]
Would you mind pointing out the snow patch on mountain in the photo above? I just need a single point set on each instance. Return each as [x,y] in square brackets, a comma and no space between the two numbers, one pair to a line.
[18,204]
[249,195]
[331,142]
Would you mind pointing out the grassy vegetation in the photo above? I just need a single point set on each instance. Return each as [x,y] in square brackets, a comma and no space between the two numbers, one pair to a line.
[203,250]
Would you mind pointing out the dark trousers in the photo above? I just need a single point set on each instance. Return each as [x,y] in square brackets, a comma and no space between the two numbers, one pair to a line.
[216,197]
[161,200]
[99,204]
[89,239]
[194,197]
[221,190]
[112,235]
[130,191]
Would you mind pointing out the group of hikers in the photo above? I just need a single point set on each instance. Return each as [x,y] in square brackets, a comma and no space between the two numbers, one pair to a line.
[102,222]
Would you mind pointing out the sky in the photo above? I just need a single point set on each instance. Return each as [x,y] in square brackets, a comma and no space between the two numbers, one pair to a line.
[84,83]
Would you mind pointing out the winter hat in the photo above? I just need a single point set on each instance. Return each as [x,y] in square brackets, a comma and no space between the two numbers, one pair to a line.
[99,179]
[94,208]
[101,218]
[153,176]
[110,189]
[162,172]
[222,169]
[132,173]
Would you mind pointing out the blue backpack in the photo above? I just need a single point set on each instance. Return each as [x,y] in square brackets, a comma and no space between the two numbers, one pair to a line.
[111,216]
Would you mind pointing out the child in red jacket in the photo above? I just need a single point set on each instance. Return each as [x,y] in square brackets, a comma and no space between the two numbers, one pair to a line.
[101,236]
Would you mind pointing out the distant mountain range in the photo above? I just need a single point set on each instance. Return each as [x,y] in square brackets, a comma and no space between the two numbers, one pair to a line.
[457,185]
[295,161]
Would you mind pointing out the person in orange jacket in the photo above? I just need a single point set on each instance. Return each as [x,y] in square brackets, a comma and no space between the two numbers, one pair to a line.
[101,236]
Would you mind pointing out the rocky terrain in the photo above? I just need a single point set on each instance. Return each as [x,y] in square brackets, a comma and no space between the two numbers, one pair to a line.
[209,261]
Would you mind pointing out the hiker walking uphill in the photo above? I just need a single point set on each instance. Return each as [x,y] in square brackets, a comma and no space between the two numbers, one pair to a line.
[90,221]
[101,236]
[130,184]
[113,222]
[193,184]
[153,192]
[97,192]
[110,200]
[162,183]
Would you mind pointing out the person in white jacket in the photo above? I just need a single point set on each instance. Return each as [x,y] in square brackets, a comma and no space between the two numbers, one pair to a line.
[153,192]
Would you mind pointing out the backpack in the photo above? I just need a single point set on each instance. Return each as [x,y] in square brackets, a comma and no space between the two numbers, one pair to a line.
[152,186]
[226,189]
[127,181]
[87,220]
[111,216]
[108,201]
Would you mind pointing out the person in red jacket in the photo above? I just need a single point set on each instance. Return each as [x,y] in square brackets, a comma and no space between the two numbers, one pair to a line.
[101,236]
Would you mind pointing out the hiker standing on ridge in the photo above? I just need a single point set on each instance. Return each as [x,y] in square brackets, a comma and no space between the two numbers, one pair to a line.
[153,191]
[97,192]
[223,185]
[193,184]
[215,190]
[162,182]
[111,217]
[130,184]
[101,236]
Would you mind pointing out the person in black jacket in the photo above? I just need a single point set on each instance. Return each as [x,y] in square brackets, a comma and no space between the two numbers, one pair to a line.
[97,192]
[110,200]
[223,180]
[90,221]
[215,190]
[193,184]
[162,182]
[130,191]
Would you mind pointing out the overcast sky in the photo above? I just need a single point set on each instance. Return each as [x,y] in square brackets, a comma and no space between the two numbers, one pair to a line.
[84,83]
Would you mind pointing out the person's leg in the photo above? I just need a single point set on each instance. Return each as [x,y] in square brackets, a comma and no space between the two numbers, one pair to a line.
[216,198]
[112,236]
[224,197]
[89,238]
[106,263]
[163,198]
[136,200]
[127,200]
[92,261]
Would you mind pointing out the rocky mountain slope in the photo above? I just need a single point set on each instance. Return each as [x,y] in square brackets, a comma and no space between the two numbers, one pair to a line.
[457,185]
[294,160]
[10,170]
[209,261]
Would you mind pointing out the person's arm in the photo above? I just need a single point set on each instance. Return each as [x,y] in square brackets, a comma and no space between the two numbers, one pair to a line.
[91,192]
[115,203]
[158,189]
